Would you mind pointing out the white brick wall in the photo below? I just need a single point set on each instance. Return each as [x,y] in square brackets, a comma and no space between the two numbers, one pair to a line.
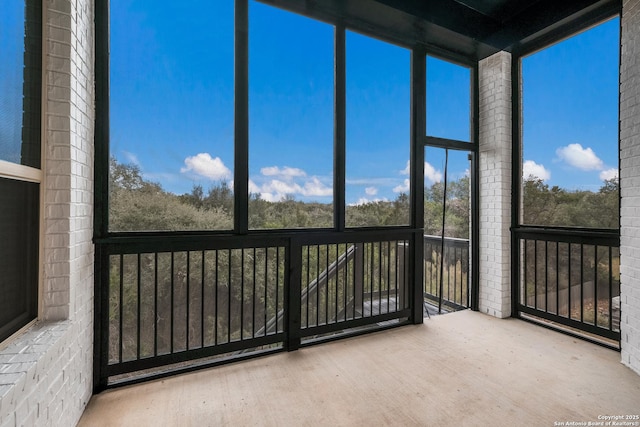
[46,373]
[495,185]
[630,185]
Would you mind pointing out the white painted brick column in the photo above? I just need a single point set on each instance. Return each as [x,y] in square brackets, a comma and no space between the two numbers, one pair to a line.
[630,185]
[46,373]
[495,185]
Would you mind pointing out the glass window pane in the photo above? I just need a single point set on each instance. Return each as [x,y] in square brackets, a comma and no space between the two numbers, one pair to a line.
[290,120]
[448,100]
[446,261]
[378,133]
[457,219]
[570,131]
[18,254]
[20,76]
[172,82]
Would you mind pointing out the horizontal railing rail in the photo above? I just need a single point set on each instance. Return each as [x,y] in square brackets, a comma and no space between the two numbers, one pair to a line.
[570,277]
[171,301]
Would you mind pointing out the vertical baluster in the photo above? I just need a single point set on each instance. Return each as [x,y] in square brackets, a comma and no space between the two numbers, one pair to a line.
[345,280]
[337,261]
[448,265]
[546,276]
[202,274]
[121,307]
[558,278]
[595,285]
[326,286]
[455,276]
[395,246]
[155,304]
[266,288]
[308,280]
[569,275]
[172,304]
[138,280]
[581,282]
[375,278]
[525,249]
[388,270]
[216,284]
[188,302]
[241,294]
[372,269]
[317,285]
[610,290]
[229,284]
[363,274]
[277,329]
[535,273]
[253,297]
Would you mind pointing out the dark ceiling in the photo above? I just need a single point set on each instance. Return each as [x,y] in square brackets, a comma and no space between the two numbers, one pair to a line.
[472,29]
[493,25]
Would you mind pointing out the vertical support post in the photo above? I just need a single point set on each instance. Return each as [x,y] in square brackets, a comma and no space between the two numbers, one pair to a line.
[293,296]
[418,136]
[101,183]
[241,124]
[101,320]
[495,175]
[339,141]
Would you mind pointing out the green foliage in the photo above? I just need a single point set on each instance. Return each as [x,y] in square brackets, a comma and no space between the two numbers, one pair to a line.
[136,204]
[457,218]
[556,206]
[380,213]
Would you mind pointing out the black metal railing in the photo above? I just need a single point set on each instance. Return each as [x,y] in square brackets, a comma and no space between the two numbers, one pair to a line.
[175,300]
[449,281]
[351,283]
[570,277]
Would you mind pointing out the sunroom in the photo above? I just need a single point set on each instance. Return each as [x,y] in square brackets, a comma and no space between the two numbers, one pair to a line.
[192,184]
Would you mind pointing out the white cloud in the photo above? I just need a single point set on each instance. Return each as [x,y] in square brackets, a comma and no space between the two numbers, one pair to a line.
[285,172]
[269,197]
[253,188]
[285,184]
[402,188]
[281,187]
[609,174]
[532,170]
[431,174]
[205,166]
[579,157]
[407,169]
[363,201]
[316,188]
[371,191]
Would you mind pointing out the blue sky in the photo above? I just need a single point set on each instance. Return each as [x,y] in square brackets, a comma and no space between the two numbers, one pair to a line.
[12,42]
[570,102]
[172,104]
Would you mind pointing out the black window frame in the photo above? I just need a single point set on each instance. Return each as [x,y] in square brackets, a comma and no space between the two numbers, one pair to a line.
[27,178]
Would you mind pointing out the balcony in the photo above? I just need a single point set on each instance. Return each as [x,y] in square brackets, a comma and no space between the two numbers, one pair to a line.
[463,368]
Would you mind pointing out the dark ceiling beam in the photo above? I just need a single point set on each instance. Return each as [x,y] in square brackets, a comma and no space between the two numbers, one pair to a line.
[400,24]
[449,14]
[456,28]
[548,19]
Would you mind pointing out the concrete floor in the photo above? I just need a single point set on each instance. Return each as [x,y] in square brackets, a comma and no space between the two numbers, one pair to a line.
[462,369]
